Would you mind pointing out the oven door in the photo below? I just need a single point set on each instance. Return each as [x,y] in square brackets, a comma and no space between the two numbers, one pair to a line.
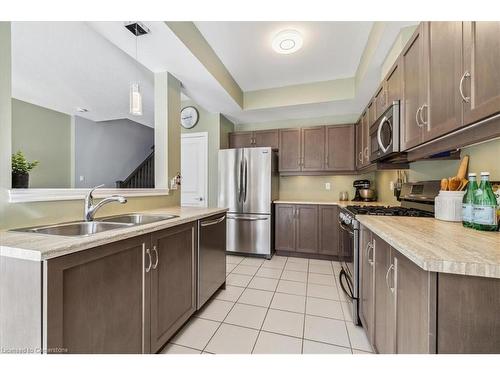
[346,255]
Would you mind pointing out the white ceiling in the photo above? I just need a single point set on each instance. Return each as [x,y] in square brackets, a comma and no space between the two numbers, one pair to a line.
[331,50]
[65,65]
[162,51]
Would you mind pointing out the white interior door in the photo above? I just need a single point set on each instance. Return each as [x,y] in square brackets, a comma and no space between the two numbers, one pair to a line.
[194,169]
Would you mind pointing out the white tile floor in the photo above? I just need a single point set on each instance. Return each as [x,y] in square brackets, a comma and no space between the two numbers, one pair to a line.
[277,306]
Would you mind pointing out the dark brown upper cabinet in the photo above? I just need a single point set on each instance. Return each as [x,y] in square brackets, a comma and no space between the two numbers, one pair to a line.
[317,150]
[441,109]
[359,143]
[392,85]
[380,100]
[365,135]
[480,82]
[261,138]
[240,139]
[340,148]
[414,90]
[313,149]
[266,138]
[290,158]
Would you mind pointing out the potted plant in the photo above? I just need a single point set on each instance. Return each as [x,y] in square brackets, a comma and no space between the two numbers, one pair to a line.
[20,170]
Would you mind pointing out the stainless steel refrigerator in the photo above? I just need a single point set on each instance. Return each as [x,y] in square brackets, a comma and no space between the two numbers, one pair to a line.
[248,185]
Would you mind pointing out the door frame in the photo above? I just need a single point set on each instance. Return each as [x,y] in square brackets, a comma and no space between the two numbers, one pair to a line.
[204,136]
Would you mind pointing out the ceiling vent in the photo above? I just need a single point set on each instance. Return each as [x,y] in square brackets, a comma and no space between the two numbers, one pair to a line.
[137,28]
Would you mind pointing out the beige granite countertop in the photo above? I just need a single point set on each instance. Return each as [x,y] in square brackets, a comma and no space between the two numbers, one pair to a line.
[439,246]
[35,246]
[336,203]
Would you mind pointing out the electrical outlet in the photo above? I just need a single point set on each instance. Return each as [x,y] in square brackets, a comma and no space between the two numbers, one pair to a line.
[328,186]
[82,178]
[391,185]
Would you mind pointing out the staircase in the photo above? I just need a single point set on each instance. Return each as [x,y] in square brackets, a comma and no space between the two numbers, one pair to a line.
[142,177]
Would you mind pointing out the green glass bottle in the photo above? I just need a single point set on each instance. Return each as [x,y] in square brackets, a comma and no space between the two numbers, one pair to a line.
[468,201]
[485,206]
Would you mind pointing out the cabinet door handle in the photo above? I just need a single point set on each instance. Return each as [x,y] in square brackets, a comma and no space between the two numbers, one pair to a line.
[360,157]
[367,251]
[366,152]
[391,267]
[156,257]
[417,115]
[466,99]
[420,115]
[148,268]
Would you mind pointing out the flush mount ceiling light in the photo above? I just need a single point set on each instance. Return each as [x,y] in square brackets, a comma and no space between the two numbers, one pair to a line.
[80,109]
[287,41]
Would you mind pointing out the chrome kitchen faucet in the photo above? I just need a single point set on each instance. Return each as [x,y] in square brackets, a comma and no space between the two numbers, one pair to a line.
[91,208]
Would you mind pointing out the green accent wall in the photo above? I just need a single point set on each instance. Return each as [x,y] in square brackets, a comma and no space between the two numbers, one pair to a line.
[44,135]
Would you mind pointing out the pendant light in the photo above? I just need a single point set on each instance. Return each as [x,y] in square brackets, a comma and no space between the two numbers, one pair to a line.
[135,99]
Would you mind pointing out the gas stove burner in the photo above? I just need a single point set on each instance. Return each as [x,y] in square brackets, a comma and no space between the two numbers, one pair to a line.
[388,211]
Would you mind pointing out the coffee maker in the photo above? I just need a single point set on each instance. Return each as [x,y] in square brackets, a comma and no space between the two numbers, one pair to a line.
[368,196]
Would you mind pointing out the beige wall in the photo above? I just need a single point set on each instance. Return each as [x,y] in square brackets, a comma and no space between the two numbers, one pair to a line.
[298,123]
[26,214]
[44,135]
[313,187]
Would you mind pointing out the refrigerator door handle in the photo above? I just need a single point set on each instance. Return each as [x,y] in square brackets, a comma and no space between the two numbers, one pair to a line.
[245,185]
[247,218]
[240,182]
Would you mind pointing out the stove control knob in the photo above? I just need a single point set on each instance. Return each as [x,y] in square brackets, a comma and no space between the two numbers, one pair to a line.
[347,220]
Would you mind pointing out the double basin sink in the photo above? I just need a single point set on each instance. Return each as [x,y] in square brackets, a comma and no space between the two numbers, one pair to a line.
[85,228]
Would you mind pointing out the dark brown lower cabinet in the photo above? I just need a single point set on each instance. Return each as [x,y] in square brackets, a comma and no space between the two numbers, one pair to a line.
[468,314]
[385,306]
[95,300]
[130,296]
[367,287]
[415,306]
[285,228]
[329,230]
[173,288]
[419,312]
[307,230]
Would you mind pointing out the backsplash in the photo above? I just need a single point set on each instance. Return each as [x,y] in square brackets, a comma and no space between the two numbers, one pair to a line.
[483,157]
[313,187]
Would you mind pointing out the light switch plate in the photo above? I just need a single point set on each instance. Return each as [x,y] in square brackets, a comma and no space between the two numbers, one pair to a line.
[328,186]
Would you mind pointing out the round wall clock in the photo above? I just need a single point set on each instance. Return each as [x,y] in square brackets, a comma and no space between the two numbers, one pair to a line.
[189,117]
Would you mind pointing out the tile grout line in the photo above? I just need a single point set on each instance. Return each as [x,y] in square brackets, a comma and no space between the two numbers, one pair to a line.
[305,309]
[232,307]
[268,307]
[342,308]
[263,330]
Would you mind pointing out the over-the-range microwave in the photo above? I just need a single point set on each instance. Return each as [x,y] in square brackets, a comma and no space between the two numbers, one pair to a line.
[384,135]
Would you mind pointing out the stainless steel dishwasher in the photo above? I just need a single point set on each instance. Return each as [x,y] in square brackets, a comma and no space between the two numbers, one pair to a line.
[211,257]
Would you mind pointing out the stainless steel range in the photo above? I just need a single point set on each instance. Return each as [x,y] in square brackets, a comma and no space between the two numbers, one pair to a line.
[417,200]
